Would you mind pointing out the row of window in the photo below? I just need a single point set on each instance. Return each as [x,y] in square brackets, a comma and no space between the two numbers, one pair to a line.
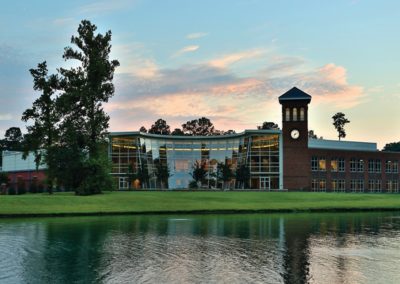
[295,115]
[356,165]
[356,185]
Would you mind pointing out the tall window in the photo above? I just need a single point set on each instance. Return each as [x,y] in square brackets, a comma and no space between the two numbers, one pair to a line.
[342,165]
[314,184]
[322,165]
[287,113]
[302,114]
[334,165]
[322,185]
[374,166]
[356,165]
[294,114]
[392,167]
[314,164]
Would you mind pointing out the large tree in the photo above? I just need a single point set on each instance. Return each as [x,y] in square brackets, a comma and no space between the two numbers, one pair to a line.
[85,89]
[268,125]
[225,173]
[393,147]
[162,172]
[339,121]
[13,139]
[242,176]
[89,85]
[199,172]
[199,127]
[43,133]
[160,127]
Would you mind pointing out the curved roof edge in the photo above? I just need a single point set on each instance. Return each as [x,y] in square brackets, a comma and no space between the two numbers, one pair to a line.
[176,137]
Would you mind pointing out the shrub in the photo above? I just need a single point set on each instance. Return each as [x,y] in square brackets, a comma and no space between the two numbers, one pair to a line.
[40,188]
[193,184]
[11,191]
[33,188]
[21,187]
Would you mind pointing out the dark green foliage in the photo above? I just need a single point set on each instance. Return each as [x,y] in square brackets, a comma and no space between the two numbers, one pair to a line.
[268,125]
[21,189]
[40,188]
[193,184]
[97,178]
[162,172]
[393,147]
[160,127]
[143,129]
[33,188]
[143,174]
[339,121]
[4,178]
[199,172]
[11,191]
[312,135]
[199,127]
[13,139]
[71,127]
[229,132]
[177,132]
[242,176]
[224,172]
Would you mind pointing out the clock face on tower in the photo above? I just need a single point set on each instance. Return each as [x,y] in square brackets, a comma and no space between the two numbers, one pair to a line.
[295,134]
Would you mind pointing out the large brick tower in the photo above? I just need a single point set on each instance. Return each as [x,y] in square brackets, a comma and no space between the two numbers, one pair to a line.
[296,162]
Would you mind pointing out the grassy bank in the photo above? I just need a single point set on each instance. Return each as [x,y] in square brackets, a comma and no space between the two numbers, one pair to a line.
[174,202]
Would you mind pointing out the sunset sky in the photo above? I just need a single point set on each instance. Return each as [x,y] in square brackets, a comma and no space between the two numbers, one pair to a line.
[226,60]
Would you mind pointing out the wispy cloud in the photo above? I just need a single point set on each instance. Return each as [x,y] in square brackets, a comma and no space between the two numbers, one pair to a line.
[186,49]
[231,58]
[196,35]
[231,100]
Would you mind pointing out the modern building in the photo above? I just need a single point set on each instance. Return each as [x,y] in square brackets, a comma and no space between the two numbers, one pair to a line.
[284,159]
[22,170]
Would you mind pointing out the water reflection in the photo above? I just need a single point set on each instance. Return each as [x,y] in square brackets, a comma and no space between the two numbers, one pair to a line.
[305,248]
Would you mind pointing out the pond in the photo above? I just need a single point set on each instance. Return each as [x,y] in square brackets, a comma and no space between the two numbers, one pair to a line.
[246,248]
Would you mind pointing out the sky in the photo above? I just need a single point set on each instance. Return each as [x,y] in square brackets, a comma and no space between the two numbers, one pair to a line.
[228,60]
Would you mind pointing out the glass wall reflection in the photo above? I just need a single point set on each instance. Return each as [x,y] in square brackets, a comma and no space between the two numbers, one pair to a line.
[158,161]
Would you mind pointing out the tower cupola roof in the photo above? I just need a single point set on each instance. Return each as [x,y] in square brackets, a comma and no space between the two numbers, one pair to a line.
[295,94]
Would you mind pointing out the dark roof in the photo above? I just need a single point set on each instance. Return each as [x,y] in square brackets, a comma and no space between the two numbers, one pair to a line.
[295,94]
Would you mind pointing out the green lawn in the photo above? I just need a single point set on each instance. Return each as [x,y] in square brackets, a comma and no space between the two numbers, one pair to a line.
[117,202]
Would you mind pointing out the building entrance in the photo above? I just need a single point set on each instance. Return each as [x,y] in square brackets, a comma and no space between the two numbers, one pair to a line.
[265,183]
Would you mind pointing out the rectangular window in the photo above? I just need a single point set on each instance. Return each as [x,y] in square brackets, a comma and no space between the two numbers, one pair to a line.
[294,114]
[342,165]
[322,185]
[371,166]
[322,165]
[302,114]
[356,165]
[378,167]
[360,185]
[342,185]
[335,185]
[314,184]
[353,185]
[334,165]
[287,118]
[314,164]
[392,167]
[374,185]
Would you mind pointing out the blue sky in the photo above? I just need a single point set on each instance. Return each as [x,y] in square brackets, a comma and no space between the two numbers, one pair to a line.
[227,60]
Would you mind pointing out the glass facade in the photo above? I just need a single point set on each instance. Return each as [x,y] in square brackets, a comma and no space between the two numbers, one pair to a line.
[159,161]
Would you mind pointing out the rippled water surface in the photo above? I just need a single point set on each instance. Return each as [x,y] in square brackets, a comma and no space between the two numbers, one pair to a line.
[290,248]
